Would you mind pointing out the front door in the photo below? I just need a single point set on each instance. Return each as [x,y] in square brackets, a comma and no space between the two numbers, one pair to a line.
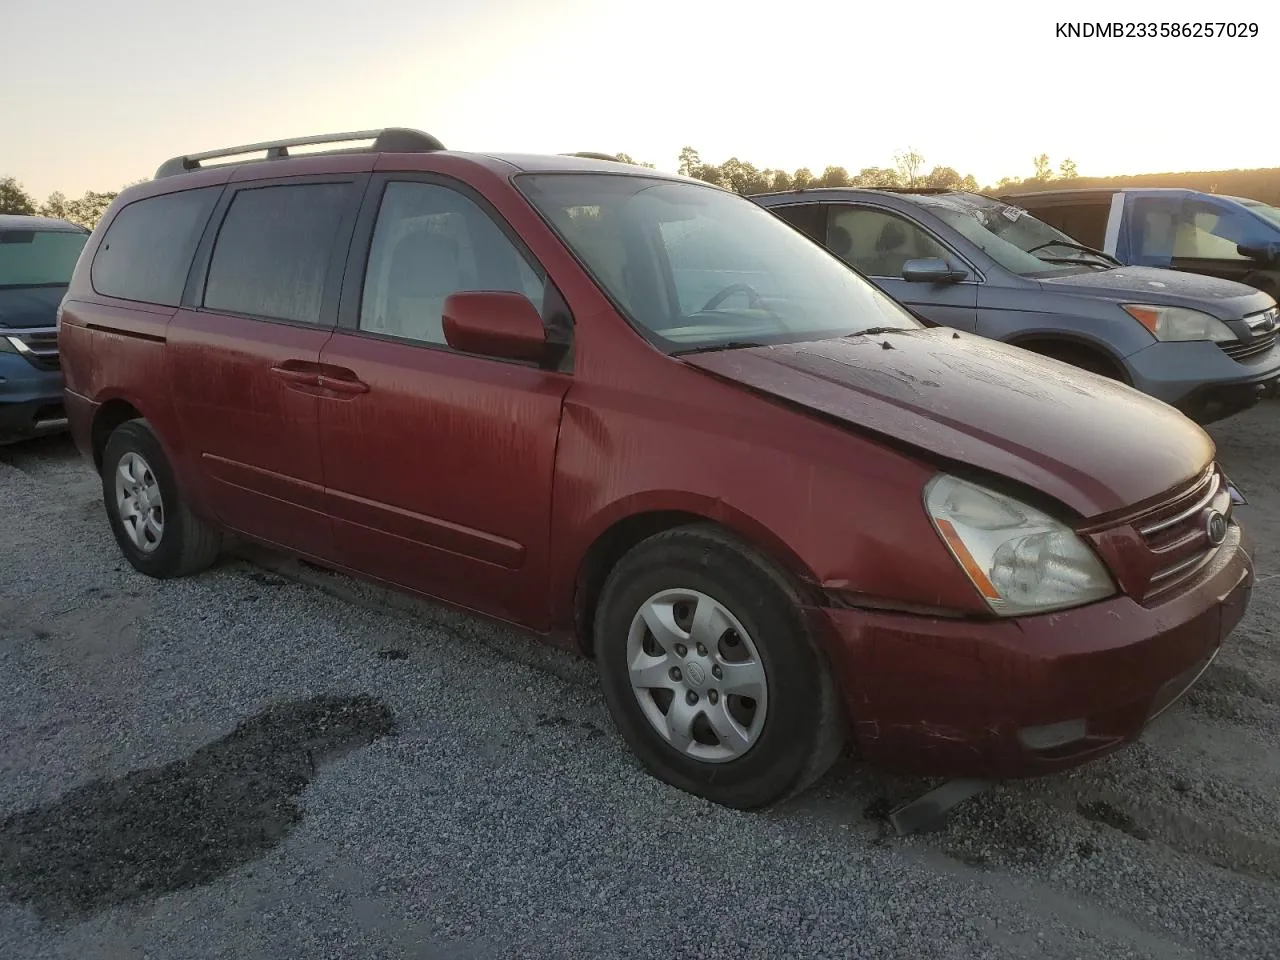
[879,243]
[438,464]
[244,356]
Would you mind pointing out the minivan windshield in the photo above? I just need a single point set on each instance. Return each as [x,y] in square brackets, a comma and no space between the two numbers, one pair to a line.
[39,258]
[1012,237]
[698,268]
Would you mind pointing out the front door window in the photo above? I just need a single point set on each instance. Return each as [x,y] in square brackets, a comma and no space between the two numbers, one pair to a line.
[877,242]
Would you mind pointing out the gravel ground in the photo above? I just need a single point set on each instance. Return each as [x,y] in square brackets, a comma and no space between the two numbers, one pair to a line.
[376,777]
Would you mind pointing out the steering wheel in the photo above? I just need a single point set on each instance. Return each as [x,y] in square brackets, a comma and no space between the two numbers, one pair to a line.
[754,300]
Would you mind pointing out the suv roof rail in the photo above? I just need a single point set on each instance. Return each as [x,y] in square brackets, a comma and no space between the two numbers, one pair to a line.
[592,155]
[923,190]
[386,140]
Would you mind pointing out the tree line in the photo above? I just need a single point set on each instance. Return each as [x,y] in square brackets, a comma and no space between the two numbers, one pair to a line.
[86,210]
[909,171]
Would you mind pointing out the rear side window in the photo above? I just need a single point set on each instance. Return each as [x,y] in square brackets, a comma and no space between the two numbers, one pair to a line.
[273,250]
[147,249]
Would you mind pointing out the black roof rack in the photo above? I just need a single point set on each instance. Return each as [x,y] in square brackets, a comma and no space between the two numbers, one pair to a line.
[386,140]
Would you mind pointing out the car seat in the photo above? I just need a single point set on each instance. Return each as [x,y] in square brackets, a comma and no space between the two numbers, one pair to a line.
[424,272]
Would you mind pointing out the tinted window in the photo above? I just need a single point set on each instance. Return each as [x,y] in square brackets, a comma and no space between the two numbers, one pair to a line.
[1083,222]
[273,250]
[878,243]
[147,249]
[38,258]
[808,218]
[429,242]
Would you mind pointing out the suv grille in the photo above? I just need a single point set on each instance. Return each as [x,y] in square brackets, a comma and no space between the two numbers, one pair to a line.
[1263,330]
[39,347]
[1177,533]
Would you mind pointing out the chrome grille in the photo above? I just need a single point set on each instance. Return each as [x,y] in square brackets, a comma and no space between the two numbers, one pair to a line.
[1177,535]
[38,346]
[1263,328]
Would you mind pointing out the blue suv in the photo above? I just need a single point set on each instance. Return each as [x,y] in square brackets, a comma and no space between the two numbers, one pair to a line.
[37,257]
[1205,345]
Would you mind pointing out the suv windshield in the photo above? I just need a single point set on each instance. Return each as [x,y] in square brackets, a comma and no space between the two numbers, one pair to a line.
[1012,237]
[39,258]
[696,267]
[1266,211]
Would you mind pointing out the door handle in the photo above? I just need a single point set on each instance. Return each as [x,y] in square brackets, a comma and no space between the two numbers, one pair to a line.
[352,387]
[308,378]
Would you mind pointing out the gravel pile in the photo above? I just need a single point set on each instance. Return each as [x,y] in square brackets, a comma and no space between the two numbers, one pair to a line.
[379,778]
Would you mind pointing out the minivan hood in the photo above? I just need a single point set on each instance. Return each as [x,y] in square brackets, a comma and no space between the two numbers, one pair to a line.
[1091,443]
[30,306]
[1225,299]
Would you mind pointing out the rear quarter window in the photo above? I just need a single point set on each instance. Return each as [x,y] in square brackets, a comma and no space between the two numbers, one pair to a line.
[147,249]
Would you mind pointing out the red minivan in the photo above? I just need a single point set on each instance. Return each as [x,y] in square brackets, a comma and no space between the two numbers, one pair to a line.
[640,414]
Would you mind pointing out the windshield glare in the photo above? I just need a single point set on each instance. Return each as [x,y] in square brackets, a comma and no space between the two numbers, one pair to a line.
[1008,234]
[38,258]
[694,266]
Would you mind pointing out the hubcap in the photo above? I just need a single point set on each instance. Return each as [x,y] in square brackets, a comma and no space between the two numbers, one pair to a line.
[138,502]
[697,675]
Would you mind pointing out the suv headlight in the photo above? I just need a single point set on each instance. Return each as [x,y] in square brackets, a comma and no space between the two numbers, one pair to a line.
[1019,559]
[1178,323]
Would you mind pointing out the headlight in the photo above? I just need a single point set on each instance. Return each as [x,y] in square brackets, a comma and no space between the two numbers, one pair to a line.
[1178,323]
[6,346]
[1019,559]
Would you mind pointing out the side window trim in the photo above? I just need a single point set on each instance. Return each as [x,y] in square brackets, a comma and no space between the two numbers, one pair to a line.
[556,316]
[976,275]
[193,294]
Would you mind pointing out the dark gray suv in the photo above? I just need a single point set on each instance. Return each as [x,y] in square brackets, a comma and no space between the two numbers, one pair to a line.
[1205,345]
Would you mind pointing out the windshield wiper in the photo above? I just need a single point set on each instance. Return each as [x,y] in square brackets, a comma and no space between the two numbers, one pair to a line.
[877,331]
[723,345]
[1072,245]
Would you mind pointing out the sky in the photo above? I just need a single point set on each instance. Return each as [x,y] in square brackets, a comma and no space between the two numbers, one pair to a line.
[110,90]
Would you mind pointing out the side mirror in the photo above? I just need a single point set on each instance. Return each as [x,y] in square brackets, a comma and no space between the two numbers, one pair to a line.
[931,270]
[1262,252]
[496,324]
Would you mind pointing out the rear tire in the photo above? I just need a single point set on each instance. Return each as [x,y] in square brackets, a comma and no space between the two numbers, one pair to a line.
[766,720]
[156,530]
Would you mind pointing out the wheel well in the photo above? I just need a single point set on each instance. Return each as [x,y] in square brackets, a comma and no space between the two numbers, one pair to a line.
[1091,358]
[109,416]
[615,542]
[607,550]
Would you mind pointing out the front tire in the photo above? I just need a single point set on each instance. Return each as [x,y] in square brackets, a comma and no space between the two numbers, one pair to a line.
[156,530]
[710,672]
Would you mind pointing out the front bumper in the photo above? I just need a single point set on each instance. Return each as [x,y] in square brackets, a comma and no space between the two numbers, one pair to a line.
[1201,380]
[30,400]
[961,698]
